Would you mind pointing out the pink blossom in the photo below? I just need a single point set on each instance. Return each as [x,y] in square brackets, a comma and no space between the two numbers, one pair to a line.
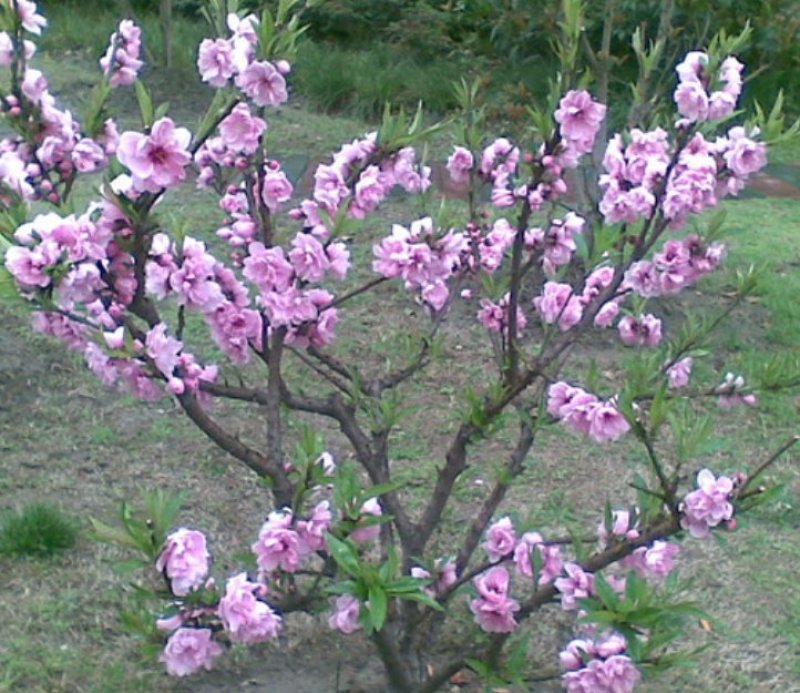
[29,265]
[744,156]
[245,617]
[308,257]
[707,506]
[162,349]
[678,374]
[312,531]
[371,189]
[500,539]
[87,156]
[642,331]
[241,130]
[345,614]
[371,532]
[460,164]
[656,561]
[215,61]
[338,259]
[268,268]
[576,585]
[194,281]
[692,101]
[30,20]
[276,189]
[158,160]
[34,86]
[263,83]
[189,650]
[494,609]
[184,560]
[606,423]
[278,545]
[580,118]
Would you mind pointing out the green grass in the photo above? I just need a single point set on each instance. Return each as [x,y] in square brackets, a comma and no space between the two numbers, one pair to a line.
[38,530]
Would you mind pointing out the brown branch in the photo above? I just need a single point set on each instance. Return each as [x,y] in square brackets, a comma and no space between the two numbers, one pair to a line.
[261,465]
[742,492]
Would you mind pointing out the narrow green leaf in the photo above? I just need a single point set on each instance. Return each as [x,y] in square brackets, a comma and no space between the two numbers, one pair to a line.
[345,555]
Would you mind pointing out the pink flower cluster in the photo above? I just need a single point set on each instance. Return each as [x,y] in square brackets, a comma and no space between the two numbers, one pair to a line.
[220,60]
[495,316]
[305,313]
[361,181]
[284,542]
[493,608]
[82,266]
[633,173]
[423,259]
[242,613]
[697,97]
[121,62]
[234,150]
[549,554]
[40,162]
[502,543]
[598,666]
[585,413]
[559,304]
[679,264]
[445,576]
[557,243]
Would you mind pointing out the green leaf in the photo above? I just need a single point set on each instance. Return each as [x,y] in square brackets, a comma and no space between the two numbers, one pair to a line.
[145,104]
[422,598]
[606,592]
[378,605]
[345,555]
[111,535]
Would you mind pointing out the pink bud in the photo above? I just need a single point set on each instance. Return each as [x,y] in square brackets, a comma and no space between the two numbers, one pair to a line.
[283,67]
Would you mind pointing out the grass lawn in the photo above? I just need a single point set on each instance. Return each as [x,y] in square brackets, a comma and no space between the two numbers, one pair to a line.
[66,439]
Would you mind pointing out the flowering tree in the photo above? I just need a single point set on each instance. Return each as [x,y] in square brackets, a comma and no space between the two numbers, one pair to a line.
[105,282]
